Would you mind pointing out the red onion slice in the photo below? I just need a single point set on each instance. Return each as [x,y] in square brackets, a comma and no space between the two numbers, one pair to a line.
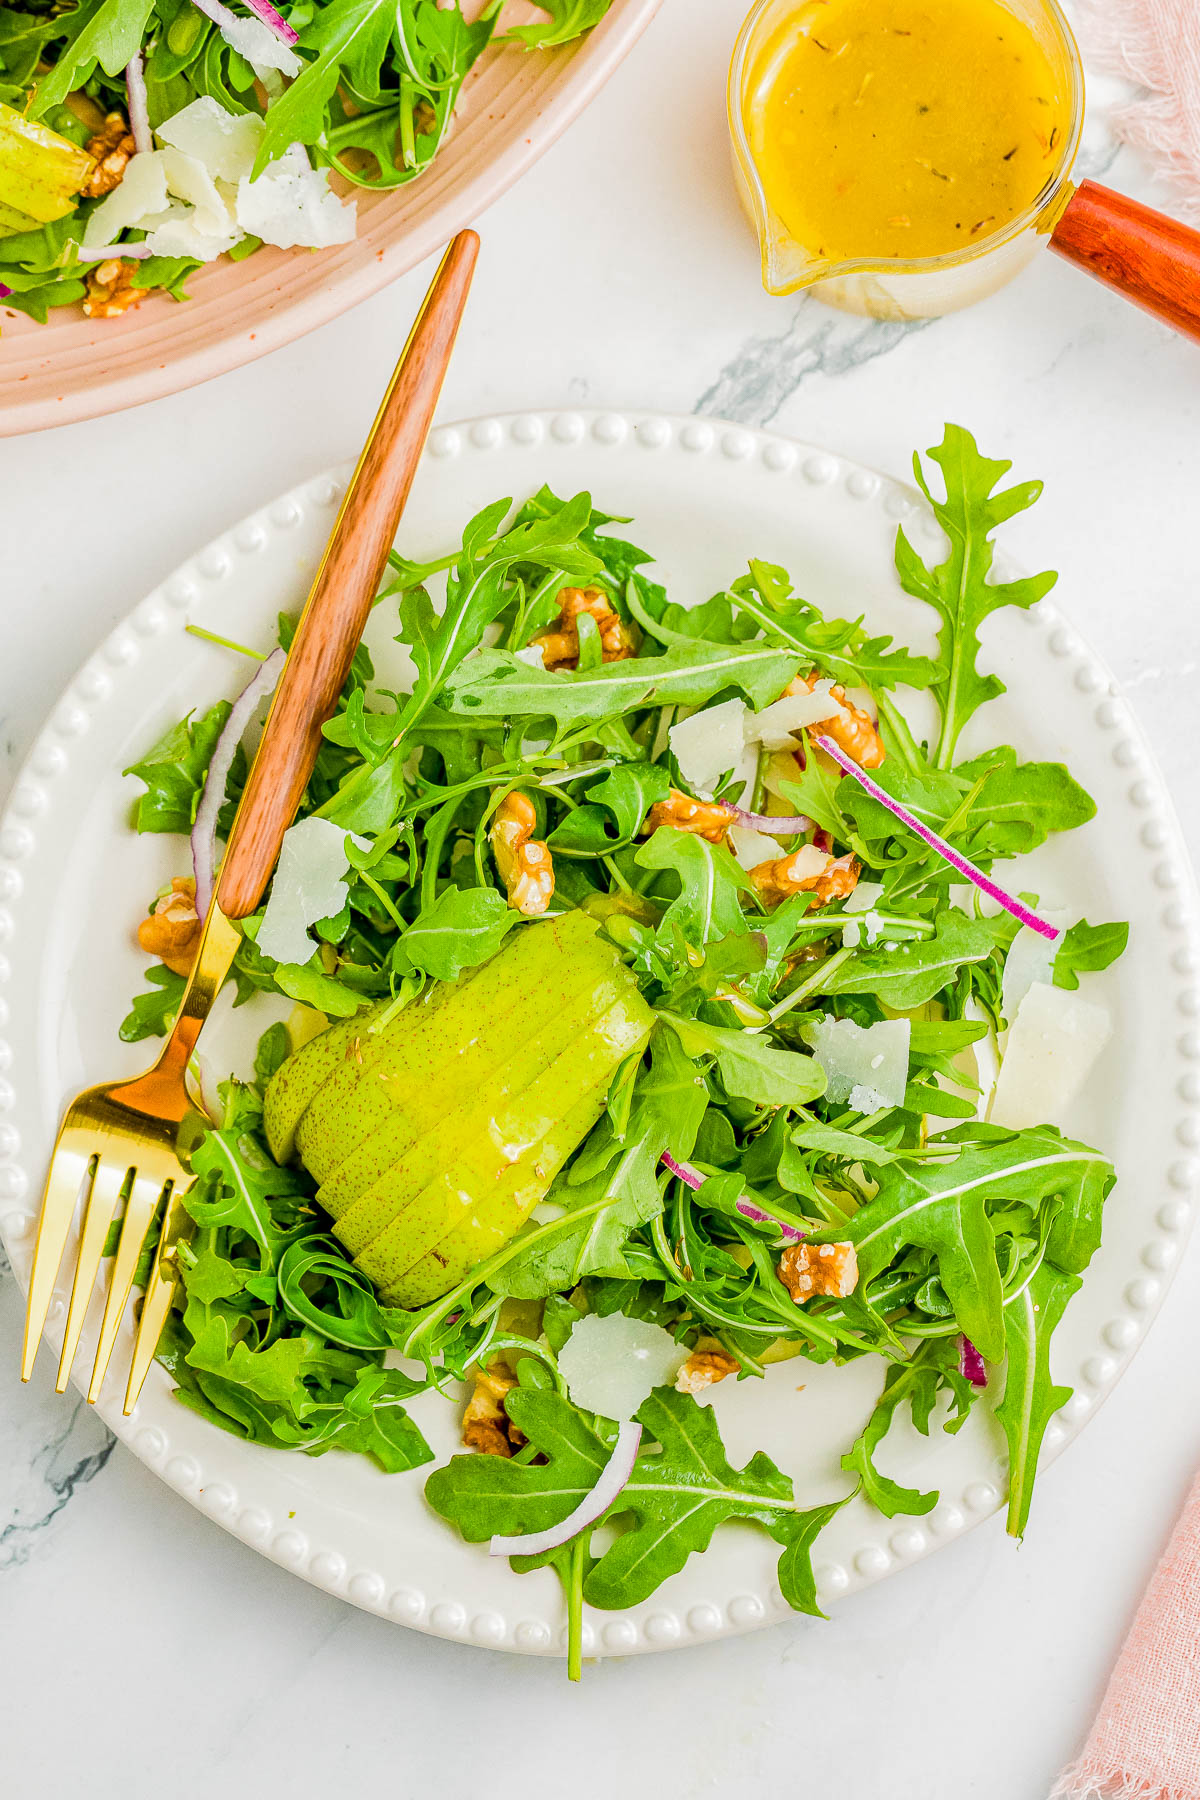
[612,1478]
[135,103]
[986,885]
[278,25]
[4,291]
[749,1209]
[970,1364]
[204,831]
[783,825]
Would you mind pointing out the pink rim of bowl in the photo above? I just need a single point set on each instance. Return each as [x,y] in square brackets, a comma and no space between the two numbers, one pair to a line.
[513,107]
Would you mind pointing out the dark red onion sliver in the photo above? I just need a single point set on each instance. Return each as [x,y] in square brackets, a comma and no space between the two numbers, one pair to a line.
[4,291]
[955,858]
[694,1179]
[970,1364]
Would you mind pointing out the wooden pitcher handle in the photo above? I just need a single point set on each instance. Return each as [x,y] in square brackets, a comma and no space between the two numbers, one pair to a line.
[1150,259]
[340,599]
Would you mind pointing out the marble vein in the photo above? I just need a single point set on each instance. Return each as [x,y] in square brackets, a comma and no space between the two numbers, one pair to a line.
[51,1447]
[766,372]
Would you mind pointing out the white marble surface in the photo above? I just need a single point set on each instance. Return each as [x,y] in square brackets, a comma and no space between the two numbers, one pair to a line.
[143,1652]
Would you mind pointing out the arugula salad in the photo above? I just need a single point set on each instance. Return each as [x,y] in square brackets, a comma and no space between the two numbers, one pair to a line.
[142,138]
[647,1014]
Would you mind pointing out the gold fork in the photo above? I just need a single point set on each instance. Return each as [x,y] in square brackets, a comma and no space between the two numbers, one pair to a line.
[119,1140]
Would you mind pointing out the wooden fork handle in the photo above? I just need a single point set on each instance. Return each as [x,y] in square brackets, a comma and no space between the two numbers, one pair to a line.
[1150,259]
[340,600]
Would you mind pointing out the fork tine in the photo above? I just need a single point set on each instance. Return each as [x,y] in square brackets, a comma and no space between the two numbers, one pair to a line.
[139,1213]
[66,1179]
[109,1180]
[160,1291]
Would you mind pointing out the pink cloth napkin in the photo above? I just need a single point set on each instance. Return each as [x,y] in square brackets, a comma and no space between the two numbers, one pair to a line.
[1155,43]
[1145,1744]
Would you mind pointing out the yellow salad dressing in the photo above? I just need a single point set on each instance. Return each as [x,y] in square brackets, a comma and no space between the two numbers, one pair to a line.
[903,128]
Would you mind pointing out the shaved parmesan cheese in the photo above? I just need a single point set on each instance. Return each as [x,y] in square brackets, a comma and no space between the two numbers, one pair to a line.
[864,1064]
[226,143]
[612,1364]
[1030,958]
[177,232]
[188,178]
[709,743]
[753,847]
[775,724]
[258,44]
[1052,1044]
[292,204]
[309,884]
[533,656]
[143,190]
[862,900]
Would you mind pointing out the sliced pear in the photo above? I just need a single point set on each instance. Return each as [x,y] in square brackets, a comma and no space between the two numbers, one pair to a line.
[507,1210]
[499,1179]
[293,1085]
[427,1132]
[448,1037]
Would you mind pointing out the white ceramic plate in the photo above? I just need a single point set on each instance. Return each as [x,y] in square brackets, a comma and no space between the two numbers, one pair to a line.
[704,496]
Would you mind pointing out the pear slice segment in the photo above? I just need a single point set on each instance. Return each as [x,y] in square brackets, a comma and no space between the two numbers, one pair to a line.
[496,1183]
[296,1081]
[447,1039]
[427,1131]
[479,1236]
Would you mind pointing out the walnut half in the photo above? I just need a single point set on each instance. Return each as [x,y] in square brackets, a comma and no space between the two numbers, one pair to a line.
[703,1368]
[172,930]
[110,289]
[560,645]
[703,818]
[523,862]
[808,1270]
[486,1426]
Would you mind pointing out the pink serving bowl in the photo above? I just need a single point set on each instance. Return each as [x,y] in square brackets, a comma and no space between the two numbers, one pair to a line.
[512,107]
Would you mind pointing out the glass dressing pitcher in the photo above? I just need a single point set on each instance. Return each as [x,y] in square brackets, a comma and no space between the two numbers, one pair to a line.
[1142,254]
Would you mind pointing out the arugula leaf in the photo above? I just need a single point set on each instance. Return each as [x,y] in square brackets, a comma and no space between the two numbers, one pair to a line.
[488,1496]
[311,987]
[1084,949]
[108,32]
[958,589]
[838,647]
[496,685]
[917,1383]
[1019,804]
[749,1066]
[942,1207]
[152,1013]
[463,927]
[350,39]
[1030,1397]
[676,1498]
[568,19]
[915,971]
[710,882]
[174,770]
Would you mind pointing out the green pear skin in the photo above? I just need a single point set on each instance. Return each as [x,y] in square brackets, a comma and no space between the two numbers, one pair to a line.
[523,1151]
[295,1082]
[453,1259]
[424,1136]
[448,1038]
